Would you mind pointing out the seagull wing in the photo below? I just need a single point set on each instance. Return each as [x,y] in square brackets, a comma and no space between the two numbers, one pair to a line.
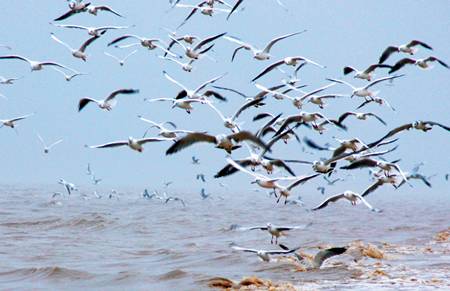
[275,40]
[387,52]
[114,41]
[110,144]
[242,169]
[372,188]
[323,255]
[207,83]
[121,91]
[84,101]
[208,40]
[244,106]
[151,139]
[347,70]
[20,118]
[418,42]
[61,42]
[398,65]
[391,133]
[341,82]
[432,123]
[109,9]
[301,180]
[377,117]
[382,80]
[229,169]
[65,15]
[246,135]
[189,140]
[55,143]
[328,200]
[434,59]
[235,6]
[361,163]
[88,42]
[168,77]
[268,69]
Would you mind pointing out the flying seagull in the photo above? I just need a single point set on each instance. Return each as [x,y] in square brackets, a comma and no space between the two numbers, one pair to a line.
[109,102]
[351,196]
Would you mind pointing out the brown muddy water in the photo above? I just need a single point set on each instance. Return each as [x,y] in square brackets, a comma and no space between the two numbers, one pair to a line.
[131,243]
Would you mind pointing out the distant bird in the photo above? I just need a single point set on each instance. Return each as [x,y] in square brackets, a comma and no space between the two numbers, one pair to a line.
[196,51]
[95,180]
[35,65]
[386,167]
[200,177]
[380,181]
[290,61]
[308,262]
[121,61]
[69,186]
[408,48]
[195,160]
[364,91]
[47,148]
[264,255]
[225,142]
[68,77]
[258,54]
[421,63]
[94,10]
[75,7]
[172,198]
[109,102]
[94,31]
[274,230]
[367,73]
[378,100]
[12,122]
[77,53]
[353,197]
[132,143]
[321,189]
[204,195]
[416,176]
[8,81]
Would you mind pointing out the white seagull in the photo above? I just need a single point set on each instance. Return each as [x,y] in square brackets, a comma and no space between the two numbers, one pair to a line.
[91,30]
[68,77]
[132,143]
[47,148]
[109,102]
[408,48]
[163,131]
[364,91]
[421,63]
[11,122]
[35,65]
[351,196]
[121,61]
[196,51]
[77,53]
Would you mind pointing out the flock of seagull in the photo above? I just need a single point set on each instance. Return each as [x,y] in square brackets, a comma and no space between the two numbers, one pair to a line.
[186,50]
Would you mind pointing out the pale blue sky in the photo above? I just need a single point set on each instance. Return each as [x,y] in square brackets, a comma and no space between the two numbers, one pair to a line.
[339,33]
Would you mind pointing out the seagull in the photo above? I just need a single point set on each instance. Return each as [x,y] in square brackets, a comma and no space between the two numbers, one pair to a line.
[258,54]
[201,177]
[96,181]
[419,125]
[364,91]
[290,61]
[221,141]
[275,230]
[367,162]
[94,31]
[77,53]
[185,104]
[68,77]
[8,81]
[69,186]
[367,73]
[187,38]
[417,176]
[187,67]
[195,52]
[271,183]
[264,255]
[351,196]
[308,262]
[11,122]
[204,195]
[194,94]
[172,198]
[164,132]
[109,102]
[47,148]
[303,117]
[390,179]
[421,63]
[360,116]
[203,7]
[377,100]
[121,61]
[132,143]
[408,48]
[35,65]
[94,9]
[75,7]
[149,43]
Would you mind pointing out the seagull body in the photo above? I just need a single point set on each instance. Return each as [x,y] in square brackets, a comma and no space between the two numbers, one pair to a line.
[408,48]
[47,148]
[421,63]
[351,196]
[185,104]
[35,65]
[132,143]
[109,102]
[367,73]
[68,77]
[263,54]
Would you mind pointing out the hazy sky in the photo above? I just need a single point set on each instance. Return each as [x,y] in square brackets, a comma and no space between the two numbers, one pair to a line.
[339,33]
